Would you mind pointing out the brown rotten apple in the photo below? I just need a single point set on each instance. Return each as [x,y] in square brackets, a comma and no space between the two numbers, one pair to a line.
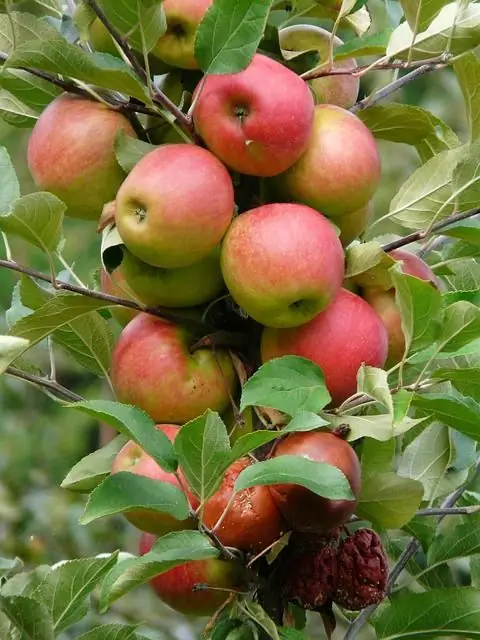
[153,369]
[175,206]
[384,302]
[71,154]
[134,459]
[348,333]
[176,586]
[304,510]
[257,121]
[253,521]
[282,263]
[340,169]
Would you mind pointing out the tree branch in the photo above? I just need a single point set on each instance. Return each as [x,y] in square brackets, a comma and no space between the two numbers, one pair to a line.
[387,66]
[421,235]
[406,555]
[50,385]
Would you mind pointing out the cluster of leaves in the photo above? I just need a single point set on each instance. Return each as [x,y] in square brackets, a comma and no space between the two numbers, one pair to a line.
[416,427]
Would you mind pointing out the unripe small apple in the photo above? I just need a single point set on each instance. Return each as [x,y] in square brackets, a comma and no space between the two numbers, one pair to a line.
[347,334]
[304,510]
[134,459]
[114,284]
[253,522]
[175,206]
[282,263]
[176,586]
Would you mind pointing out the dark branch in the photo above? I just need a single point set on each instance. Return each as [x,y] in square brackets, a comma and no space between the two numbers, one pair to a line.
[387,66]
[50,385]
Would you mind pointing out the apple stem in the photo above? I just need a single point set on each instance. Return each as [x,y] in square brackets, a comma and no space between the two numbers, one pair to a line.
[220,339]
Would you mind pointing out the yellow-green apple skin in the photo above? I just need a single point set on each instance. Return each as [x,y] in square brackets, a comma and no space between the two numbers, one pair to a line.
[283,263]
[353,224]
[153,369]
[345,335]
[100,39]
[175,206]
[258,121]
[181,287]
[114,284]
[384,302]
[177,46]
[340,169]
[341,90]
[71,154]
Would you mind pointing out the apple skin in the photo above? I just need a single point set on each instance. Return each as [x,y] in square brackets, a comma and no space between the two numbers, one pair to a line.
[175,206]
[282,263]
[253,522]
[412,265]
[175,587]
[177,46]
[182,287]
[115,285]
[303,510]
[71,154]
[341,90]
[353,224]
[340,169]
[257,121]
[153,370]
[134,459]
[348,333]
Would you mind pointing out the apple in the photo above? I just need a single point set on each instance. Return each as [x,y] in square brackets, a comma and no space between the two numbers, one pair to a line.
[71,154]
[340,169]
[282,263]
[159,129]
[348,333]
[384,302]
[114,284]
[341,90]
[134,459]
[303,510]
[176,586]
[353,224]
[257,121]
[100,38]
[153,369]
[238,429]
[253,522]
[175,206]
[177,46]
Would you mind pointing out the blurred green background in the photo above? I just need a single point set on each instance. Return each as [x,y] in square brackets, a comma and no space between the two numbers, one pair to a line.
[40,441]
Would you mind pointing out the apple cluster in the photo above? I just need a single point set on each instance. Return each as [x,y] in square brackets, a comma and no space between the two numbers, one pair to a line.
[188,242]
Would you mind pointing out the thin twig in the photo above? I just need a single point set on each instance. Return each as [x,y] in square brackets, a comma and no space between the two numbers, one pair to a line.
[357,71]
[50,385]
[449,511]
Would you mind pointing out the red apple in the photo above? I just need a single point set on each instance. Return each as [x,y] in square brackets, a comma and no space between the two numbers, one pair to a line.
[153,369]
[114,284]
[304,510]
[176,586]
[253,522]
[134,459]
[175,206]
[348,333]
[177,46]
[340,169]
[282,263]
[257,121]
[71,154]
[412,265]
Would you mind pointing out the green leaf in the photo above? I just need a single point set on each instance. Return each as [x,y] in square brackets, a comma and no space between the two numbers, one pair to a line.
[373,44]
[10,567]
[252,441]
[379,427]
[258,614]
[229,34]
[33,92]
[460,542]
[461,326]
[467,70]
[377,456]
[136,425]
[441,612]
[170,551]
[10,349]
[304,421]
[133,17]
[25,583]
[369,266]
[419,13]
[428,459]
[125,491]
[467,230]
[29,616]
[387,500]
[420,306]
[94,468]
[462,414]
[322,479]
[18,27]
[9,186]
[37,218]
[373,383]
[65,589]
[130,151]
[203,450]
[113,632]
[466,380]
[423,529]
[58,56]
[454,29]
[289,384]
